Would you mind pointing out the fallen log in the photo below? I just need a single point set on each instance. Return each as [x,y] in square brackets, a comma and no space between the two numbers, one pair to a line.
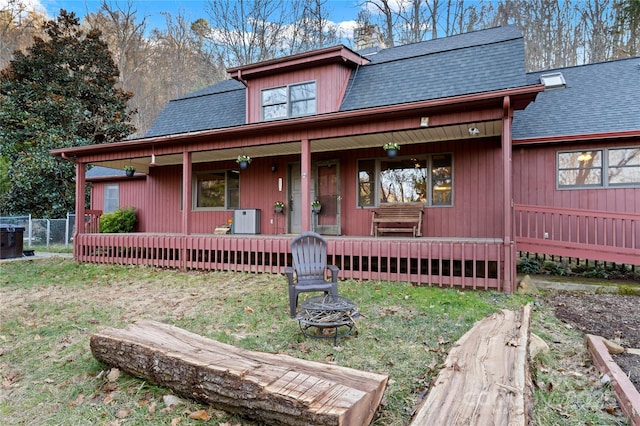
[485,379]
[270,388]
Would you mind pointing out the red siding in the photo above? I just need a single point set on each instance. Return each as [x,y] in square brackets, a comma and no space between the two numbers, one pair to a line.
[534,179]
[476,210]
[330,80]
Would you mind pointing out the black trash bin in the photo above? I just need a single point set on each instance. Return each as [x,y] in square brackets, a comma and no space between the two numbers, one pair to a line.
[11,238]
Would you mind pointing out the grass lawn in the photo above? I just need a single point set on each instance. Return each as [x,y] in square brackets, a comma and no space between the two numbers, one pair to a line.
[49,309]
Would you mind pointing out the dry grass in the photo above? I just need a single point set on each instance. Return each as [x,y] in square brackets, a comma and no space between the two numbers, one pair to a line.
[50,308]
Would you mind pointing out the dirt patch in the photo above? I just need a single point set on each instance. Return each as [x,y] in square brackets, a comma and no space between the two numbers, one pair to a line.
[612,316]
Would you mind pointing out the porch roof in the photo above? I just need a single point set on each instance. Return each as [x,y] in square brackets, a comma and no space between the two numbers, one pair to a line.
[325,131]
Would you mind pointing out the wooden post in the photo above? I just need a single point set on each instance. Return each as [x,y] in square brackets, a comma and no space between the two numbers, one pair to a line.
[81,170]
[305,172]
[509,276]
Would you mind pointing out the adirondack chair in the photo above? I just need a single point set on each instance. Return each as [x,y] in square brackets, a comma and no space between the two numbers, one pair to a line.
[309,252]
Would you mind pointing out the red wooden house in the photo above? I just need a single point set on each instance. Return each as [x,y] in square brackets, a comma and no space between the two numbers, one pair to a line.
[314,126]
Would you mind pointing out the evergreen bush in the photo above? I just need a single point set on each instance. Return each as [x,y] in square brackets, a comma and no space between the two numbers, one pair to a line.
[119,221]
[528,266]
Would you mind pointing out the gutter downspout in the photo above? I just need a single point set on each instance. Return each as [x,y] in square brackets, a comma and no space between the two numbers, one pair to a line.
[508,243]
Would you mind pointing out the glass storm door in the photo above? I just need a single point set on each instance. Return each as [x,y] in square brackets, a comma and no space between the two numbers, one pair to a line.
[327,191]
[325,183]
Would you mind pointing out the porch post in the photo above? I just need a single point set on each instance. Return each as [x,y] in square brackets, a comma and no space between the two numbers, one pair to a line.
[305,170]
[81,169]
[508,243]
[186,192]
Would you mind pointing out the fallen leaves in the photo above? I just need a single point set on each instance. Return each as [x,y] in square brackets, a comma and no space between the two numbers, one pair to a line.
[78,401]
[113,375]
[200,415]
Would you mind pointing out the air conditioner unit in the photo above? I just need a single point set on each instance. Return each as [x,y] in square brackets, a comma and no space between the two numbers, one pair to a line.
[246,221]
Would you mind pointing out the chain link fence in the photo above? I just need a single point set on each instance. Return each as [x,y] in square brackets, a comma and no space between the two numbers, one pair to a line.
[39,233]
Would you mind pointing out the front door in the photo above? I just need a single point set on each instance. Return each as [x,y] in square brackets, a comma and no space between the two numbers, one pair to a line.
[325,184]
[327,191]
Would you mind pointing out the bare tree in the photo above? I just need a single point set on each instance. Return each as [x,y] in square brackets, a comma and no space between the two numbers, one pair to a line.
[18,26]
[310,26]
[598,26]
[383,9]
[181,62]
[247,31]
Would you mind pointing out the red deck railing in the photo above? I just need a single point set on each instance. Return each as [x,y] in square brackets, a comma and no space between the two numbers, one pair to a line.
[463,263]
[584,234]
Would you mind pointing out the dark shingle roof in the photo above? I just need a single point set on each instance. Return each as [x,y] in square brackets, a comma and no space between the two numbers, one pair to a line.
[469,63]
[101,172]
[598,98]
[476,62]
[218,106]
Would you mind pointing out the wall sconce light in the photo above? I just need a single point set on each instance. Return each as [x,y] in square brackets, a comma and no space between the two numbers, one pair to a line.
[273,167]
[474,131]
[153,156]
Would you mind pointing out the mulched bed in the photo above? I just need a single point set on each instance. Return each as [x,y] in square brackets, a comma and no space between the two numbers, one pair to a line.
[612,316]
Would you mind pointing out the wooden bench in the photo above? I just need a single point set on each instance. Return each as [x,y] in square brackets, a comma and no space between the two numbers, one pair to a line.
[398,218]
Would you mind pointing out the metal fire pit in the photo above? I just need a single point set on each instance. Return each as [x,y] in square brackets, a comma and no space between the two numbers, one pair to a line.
[11,240]
[327,317]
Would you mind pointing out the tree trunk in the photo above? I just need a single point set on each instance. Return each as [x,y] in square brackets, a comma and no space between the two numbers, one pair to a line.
[485,379]
[270,388]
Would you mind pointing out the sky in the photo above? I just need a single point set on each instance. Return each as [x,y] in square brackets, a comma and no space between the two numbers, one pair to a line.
[341,11]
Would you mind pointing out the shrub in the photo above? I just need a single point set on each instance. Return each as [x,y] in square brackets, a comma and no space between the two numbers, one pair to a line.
[553,268]
[597,272]
[119,221]
[528,266]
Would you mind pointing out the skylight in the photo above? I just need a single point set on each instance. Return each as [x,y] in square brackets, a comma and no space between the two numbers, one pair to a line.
[553,80]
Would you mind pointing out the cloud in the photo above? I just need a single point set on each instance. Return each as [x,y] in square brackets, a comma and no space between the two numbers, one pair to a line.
[345,28]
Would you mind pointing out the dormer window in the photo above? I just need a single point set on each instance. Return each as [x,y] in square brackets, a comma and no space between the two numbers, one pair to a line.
[294,100]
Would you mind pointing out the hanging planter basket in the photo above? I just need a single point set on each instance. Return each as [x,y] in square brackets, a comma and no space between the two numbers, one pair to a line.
[392,149]
[130,171]
[243,161]
[316,207]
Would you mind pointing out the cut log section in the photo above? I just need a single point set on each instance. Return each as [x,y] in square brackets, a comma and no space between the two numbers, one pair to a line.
[270,388]
[485,379]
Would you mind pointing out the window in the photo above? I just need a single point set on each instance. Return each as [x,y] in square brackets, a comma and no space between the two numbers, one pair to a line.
[624,166]
[111,198]
[581,168]
[289,101]
[587,168]
[220,189]
[406,180]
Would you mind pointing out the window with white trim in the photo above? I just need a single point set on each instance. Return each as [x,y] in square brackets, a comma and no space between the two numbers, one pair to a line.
[599,168]
[295,100]
[427,179]
[111,201]
[216,190]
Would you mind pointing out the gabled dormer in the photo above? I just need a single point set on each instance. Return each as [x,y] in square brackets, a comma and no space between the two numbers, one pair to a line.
[300,85]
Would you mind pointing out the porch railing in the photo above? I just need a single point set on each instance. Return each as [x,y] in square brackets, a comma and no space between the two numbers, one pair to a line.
[92,221]
[476,264]
[584,234]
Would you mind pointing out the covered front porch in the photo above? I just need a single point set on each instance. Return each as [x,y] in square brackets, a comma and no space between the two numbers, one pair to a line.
[465,263]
